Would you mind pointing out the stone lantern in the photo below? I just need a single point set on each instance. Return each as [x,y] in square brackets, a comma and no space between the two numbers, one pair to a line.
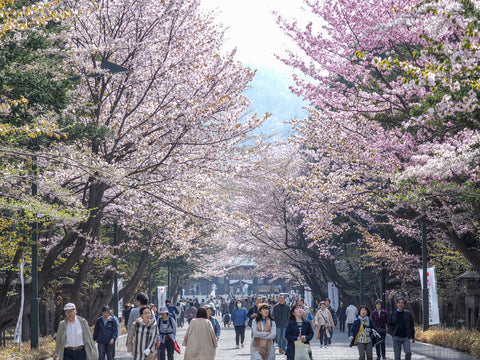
[472,298]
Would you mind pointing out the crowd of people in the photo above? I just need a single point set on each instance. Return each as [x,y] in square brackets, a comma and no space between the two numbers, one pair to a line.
[275,322]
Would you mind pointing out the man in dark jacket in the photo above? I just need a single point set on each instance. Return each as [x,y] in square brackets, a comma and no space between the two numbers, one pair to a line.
[401,327]
[280,315]
[252,312]
[105,333]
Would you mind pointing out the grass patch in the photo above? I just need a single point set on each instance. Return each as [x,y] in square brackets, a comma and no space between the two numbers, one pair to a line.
[45,350]
[467,341]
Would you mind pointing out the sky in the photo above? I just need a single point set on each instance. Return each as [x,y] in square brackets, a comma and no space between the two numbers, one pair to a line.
[251,28]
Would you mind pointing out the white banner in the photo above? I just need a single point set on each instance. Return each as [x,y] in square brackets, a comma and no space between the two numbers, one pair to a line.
[434,312]
[161,295]
[18,329]
[308,296]
[333,295]
[120,301]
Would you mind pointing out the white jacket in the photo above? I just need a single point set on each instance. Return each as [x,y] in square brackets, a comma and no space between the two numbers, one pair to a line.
[351,313]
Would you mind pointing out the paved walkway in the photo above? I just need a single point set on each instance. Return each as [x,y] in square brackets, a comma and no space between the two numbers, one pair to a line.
[339,350]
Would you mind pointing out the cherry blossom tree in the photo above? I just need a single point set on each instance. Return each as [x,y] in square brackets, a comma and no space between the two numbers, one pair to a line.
[160,134]
[393,127]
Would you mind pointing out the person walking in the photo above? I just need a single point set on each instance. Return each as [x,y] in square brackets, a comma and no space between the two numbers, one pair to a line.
[334,317]
[140,301]
[280,315]
[224,308]
[360,333]
[341,316]
[126,313]
[298,328]
[264,332]
[215,324]
[181,315]
[191,312]
[253,311]
[105,333]
[380,319]
[324,324]
[74,340]
[239,319]
[172,309]
[167,332]
[200,340]
[141,339]
[351,313]
[401,327]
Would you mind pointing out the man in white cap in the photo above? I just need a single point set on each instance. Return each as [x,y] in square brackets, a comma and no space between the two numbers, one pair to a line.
[74,340]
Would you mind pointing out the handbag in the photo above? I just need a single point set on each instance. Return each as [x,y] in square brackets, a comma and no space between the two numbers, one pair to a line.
[376,337]
[301,351]
[176,347]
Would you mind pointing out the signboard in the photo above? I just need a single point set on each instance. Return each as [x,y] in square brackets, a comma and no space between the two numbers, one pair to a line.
[434,312]
[333,295]
[161,295]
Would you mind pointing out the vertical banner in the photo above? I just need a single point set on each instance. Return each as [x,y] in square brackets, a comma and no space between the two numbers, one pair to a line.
[434,312]
[161,295]
[120,301]
[18,329]
[333,295]
[307,296]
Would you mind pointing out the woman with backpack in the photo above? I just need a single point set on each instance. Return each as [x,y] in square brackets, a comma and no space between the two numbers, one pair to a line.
[167,331]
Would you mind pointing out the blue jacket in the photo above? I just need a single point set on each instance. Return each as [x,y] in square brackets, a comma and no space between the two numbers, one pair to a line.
[292,332]
[172,311]
[356,327]
[239,316]
[103,333]
[216,326]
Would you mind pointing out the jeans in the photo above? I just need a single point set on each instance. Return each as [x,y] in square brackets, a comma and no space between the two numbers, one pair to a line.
[349,328]
[167,345]
[323,336]
[365,348]
[74,354]
[397,348]
[342,325]
[281,341]
[380,348]
[106,349]
[239,334]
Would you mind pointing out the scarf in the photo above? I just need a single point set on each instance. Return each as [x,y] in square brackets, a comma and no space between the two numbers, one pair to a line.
[263,345]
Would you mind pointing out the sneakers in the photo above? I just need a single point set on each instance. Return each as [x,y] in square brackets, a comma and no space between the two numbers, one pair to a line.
[242,346]
[238,346]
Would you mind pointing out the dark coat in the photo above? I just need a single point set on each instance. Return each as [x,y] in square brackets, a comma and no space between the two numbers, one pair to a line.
[393,323]
[380,320]
[356,327]
[102,333]
[292,332]
[280,314]
[341,313]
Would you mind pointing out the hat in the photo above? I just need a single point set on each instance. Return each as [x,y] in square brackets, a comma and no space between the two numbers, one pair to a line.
[262,305]
[69,306]
[163,310]
[210,306]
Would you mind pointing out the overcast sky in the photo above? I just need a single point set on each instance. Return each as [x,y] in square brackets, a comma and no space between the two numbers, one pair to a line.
[251,28]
